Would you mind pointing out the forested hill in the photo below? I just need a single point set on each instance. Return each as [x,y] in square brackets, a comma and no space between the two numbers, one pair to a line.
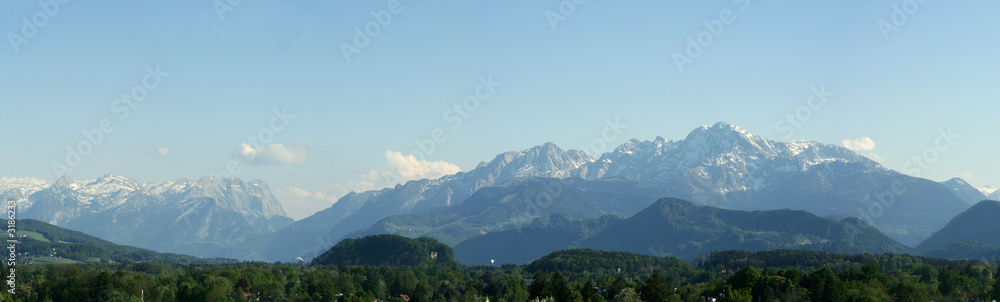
[40,243]
[683,229]
[979,224]
[387,250]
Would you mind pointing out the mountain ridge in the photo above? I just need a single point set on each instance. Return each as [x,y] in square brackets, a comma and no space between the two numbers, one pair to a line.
[679,228]
[977,224]
[964,190]
[204,217]
[723,165]
[324,229]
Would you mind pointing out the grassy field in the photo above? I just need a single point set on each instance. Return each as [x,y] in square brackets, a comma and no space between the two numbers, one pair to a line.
[52,260]
[34,235]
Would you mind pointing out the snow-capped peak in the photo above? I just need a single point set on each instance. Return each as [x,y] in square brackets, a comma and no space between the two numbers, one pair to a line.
[722,156]
[958,181]
[113,190]
[545,160]
[20,188]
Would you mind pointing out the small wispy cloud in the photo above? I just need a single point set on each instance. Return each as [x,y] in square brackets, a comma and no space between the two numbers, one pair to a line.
[273,154]
[859,144]
[162,151]
[300,203]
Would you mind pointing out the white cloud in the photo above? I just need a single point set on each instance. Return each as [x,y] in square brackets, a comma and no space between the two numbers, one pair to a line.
[23,180]
[396,169]
[162,151]
[860,144]
[273,154]
[300,203]
[400,168]
[295,191]
[965,175]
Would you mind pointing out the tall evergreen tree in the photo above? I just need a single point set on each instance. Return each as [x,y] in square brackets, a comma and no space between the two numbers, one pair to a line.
[656,288]
[540,288]
[560,289]
[587,290]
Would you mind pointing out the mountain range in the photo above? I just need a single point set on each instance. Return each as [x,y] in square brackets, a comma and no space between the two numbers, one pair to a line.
[721,166]
[356,211]
[206,217]
[517,203]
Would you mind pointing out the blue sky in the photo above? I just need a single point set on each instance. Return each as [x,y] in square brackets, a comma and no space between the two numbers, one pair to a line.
[221,79]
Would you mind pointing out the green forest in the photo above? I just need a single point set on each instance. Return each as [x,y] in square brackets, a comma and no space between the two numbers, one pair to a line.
[569,275]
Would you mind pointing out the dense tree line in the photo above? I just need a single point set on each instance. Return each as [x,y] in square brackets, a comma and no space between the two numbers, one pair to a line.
[565,276]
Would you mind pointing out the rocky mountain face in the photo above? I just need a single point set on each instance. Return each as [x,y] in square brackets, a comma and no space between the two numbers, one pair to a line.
[206,217]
